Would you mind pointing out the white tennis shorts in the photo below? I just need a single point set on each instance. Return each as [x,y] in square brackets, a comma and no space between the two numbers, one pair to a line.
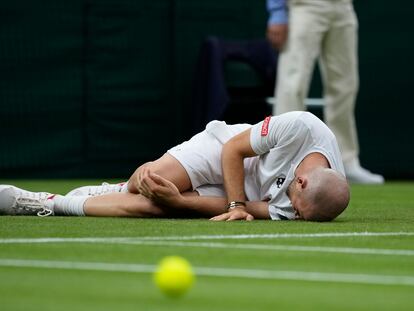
[201,158]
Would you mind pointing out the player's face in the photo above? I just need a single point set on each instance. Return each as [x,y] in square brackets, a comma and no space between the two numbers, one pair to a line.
[299,204]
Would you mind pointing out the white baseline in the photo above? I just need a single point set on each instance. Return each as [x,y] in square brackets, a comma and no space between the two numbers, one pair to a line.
[218,272]
[185,241]
[201,237]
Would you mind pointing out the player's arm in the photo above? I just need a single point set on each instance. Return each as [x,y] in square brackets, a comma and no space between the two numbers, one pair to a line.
[162,191]
[264,136]
[233,154]
[253,210]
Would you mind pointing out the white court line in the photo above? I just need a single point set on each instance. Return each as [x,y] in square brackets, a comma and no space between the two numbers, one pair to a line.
[219,272]
[168,241]
[202,237]
[281,247]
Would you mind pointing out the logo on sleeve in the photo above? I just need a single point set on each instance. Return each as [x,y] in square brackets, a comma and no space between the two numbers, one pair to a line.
[265,126]
[280,181]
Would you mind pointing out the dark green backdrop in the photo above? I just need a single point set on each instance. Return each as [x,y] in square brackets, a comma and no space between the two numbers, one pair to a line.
[92,88]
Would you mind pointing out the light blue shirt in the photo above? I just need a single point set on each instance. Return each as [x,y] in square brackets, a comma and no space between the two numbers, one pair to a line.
[277,12]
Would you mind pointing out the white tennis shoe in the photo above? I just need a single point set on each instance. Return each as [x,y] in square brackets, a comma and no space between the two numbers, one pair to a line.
[16,201]
[97,190]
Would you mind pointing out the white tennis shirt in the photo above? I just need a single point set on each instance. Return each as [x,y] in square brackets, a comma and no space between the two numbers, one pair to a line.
[281,142]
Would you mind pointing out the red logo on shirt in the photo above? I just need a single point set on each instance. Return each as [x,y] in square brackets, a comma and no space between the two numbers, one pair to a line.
[265,126]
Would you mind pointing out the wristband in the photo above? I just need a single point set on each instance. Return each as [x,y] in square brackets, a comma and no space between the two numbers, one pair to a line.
[234,204]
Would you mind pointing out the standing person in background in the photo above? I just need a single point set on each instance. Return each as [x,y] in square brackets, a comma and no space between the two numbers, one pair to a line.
[302,31]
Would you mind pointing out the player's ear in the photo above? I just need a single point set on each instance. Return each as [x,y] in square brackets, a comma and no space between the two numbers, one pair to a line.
[302,181]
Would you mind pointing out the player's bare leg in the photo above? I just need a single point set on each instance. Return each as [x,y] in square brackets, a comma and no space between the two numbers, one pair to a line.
[121,205]
[166,166]
[134,205]
[16,201]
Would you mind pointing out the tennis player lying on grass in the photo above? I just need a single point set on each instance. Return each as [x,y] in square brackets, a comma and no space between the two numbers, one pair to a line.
[285,167]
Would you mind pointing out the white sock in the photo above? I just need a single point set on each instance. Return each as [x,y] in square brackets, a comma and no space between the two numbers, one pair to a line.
[69,206]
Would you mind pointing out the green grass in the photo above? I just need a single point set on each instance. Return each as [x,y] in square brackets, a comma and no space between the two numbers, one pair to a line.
[387,208]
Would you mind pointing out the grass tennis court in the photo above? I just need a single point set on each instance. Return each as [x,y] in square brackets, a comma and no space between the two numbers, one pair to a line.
[362,261]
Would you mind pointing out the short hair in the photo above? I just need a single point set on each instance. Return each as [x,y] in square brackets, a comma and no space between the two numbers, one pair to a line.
[327,193]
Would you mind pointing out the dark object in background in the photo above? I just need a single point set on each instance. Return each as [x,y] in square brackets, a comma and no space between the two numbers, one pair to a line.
[217,96]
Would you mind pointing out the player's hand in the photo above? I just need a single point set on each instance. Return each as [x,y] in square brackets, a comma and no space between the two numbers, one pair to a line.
[160,190]
[142,172]
[277,35]
[235,214]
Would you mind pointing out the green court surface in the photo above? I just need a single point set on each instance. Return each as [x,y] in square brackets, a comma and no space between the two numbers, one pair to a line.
[364,260]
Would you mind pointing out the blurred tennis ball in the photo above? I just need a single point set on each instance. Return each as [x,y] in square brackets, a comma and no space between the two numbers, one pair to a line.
[174,276]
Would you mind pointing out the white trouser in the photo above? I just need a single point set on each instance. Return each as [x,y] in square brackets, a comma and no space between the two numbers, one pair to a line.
[326,29]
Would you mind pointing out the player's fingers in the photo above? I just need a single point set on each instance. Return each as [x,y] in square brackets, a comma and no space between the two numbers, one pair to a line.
[240,216]
[148,187]
[144,172]
[155,191]
[140,186]
[138,181]
[159,179]
[143,187]
[144,192]
[235,216]
[220,217]
[249,217]
[149,183]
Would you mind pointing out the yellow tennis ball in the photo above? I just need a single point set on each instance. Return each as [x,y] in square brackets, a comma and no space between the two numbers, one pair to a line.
[174,276]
